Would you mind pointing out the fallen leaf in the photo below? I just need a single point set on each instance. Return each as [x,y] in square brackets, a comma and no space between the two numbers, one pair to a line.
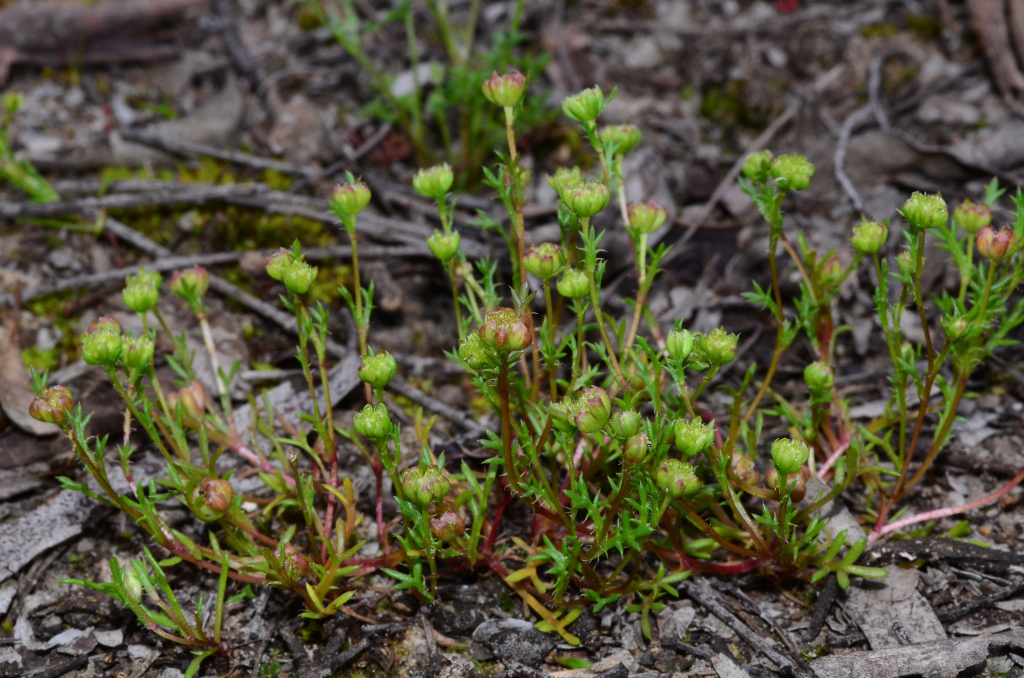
[15,394]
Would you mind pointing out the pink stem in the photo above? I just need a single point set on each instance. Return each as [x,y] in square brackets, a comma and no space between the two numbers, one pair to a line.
[951,510]
[261,464]
[843,446]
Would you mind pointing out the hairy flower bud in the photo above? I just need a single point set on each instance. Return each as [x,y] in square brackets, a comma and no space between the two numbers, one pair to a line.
[743,468]
[789,455]
[378,370]
[278,263]
[586,198]
[101,343]
[425,487]
[505,330]
[504,90]
[138,354]
[756,166]
[444,245]
[563,178]
[719,346]
[53,406]
[869,236]
[624,424]
[294,561]
[676,478]
[679,344]
[646,217]
[350,199]
[299,276]
[434,182]
[693,437]
[831,272]
[593,409]
[971,217]
[925,211]
[792,172]
[132,584]
[956,327]
[190,284]
[573,284]
[448,527]
[994,245]
[905,262]
[584,106]
[474,351]
[373,421]
[193,399]
[820,377]
[211,499]
[626,137]
[635,450]
[545,260]
[142,291]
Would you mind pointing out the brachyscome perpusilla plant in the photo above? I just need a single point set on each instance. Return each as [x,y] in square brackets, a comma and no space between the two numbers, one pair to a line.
[636,477]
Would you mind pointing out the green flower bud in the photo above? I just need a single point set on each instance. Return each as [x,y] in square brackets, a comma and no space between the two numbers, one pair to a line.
[585,106]
[448,527]
[474,351]
[679,344]
[624,424]
[211,499]
[53,406]
[350,199]
[444,245]
[545,260]
[190,284]
[820,378]
[138,354]
[299,277]
[789,455]
[635,451]
[676,478]
[905,262]
[434,182]
[907,351]
[378,370]
[586,198]
[925,211]
[646,217]
[505,330]
[792,172]
[956,327]
[563,178]
[373,422]
[995,245]
[693,437]
[425,487]
[142,291]
[719,346]
[591,409]
[279,262]
[626,137]
[101,343]
[869,236]
[12,102]
[756,166]
[972,218]
[132,583]
[504,90]
[573,284]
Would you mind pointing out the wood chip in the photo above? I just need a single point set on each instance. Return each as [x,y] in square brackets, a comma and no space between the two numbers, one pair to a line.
[15,394]
[876,604]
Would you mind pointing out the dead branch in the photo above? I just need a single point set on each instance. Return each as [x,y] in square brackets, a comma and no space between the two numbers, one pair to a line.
[988,17]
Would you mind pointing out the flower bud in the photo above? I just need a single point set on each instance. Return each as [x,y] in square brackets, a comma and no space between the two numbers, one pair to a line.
[792,172]
[584,106]
[350,199]
[545,260]
[956,327]
[679,344]
[869,236]
[138,354]
[373,422]
[972,218]
[693,437]
[789,455]
[905,262]
[132,584]
[993,244]
[907,351]
[142,291]
[831,272]
[474,352]
[820,377]
[757,166]
[378,370]
[449,526]
[573,284]
[626,137]
[646,217]
[299,276]
[444,245]
[279,262]
[635,451]
[719,346]
[925,211]
[425,487]
[53,406]
[190,284]
[798,490]
[211,499]
[193,399]
[591,409]
[504,90]
[434,182]
[563,178]
[797,483]
[101,343]
[743,469]
[586,198]
[676,478]
[294,561]
[505,330]
[624,424]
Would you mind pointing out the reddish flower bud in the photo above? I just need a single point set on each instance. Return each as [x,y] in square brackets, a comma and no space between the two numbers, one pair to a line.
[972,218]
[504,90]
[993,244]
[193,399]
[53,406]
[211,499]
[646,217]
[293,560]
[190,284]
[449,526]
[505,330]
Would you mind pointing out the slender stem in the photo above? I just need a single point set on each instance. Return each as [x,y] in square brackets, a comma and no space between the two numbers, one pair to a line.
[504,390]
[552,369]
[595,301]
[455,298]
[211,349]
[965,274]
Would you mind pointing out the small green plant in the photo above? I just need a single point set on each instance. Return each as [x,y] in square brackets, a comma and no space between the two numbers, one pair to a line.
[636,478]
[20,173]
